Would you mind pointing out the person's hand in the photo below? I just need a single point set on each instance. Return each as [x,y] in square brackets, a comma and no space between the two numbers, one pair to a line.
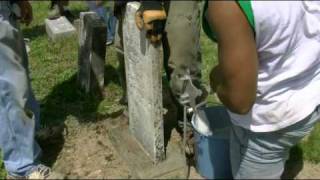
[151,17]
[215,78]
[26,12]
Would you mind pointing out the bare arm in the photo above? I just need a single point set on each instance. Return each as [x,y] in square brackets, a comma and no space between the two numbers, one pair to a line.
[235,78]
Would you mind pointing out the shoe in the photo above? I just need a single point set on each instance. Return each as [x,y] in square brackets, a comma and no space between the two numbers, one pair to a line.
[44,172]
[54,13]
[26,42]
[109,42]
[39,172]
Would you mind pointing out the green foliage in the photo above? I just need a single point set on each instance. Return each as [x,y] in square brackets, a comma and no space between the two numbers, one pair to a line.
[209,60]
[2,171]
[311,146]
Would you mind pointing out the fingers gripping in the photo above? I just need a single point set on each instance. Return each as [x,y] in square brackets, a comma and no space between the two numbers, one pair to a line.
[139,20]
[152,21]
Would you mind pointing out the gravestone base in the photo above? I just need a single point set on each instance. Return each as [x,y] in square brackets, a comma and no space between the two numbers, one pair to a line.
[59,28]
[140,164]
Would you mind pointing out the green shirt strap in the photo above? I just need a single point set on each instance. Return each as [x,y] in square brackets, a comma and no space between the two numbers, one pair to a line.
[246,7]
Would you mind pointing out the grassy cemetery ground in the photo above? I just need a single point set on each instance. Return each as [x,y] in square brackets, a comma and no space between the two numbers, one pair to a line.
[53,73]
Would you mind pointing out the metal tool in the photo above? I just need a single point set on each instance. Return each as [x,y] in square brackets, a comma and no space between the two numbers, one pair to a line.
[189,99]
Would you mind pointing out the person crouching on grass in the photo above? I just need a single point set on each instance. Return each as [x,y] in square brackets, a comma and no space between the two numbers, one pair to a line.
[268,78]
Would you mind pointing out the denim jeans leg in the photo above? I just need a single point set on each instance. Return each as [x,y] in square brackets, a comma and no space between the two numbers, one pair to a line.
[17,120]
[263,155]
[107,17]
[112,22]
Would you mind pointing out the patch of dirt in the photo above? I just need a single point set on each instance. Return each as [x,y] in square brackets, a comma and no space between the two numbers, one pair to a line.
[194,174]
[309,171]
[87,152]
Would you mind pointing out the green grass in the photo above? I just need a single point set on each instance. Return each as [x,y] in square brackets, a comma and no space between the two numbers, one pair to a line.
[2,171]
[54,73]
[311,146]
[53,69]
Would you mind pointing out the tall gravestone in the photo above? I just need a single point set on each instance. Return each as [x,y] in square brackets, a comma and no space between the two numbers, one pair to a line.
[143,63]
[92,52]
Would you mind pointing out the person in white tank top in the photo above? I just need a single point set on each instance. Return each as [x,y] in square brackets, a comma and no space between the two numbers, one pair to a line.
[268,78]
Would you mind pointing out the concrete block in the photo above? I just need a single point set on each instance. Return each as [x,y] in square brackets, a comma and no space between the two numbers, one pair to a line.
[92,52]
[140,164]
[144,64]
[59,28]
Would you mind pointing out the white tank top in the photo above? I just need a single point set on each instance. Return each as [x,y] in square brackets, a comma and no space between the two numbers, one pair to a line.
[288,44]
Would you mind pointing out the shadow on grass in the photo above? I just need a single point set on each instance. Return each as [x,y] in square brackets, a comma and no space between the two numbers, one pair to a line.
[34,32]
[76,12]
[295,163]
[67,99]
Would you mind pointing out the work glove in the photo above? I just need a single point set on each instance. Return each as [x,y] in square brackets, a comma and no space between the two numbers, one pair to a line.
[151,17]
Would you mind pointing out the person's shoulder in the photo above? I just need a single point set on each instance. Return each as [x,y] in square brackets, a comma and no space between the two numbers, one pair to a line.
[226,17]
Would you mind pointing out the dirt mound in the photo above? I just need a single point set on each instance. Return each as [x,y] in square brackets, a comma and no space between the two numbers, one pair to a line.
[85,151]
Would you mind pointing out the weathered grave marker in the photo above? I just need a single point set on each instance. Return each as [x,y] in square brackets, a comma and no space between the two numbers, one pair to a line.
[144,86]
[59,28]
[92,51]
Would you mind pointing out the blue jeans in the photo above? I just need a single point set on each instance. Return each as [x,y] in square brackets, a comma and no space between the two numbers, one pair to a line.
[107,16]
[263,155]
[260,155]
[19,111]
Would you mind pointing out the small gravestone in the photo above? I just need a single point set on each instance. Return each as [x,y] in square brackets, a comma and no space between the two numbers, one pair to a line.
[143,63]
[59,28]
[92,52]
